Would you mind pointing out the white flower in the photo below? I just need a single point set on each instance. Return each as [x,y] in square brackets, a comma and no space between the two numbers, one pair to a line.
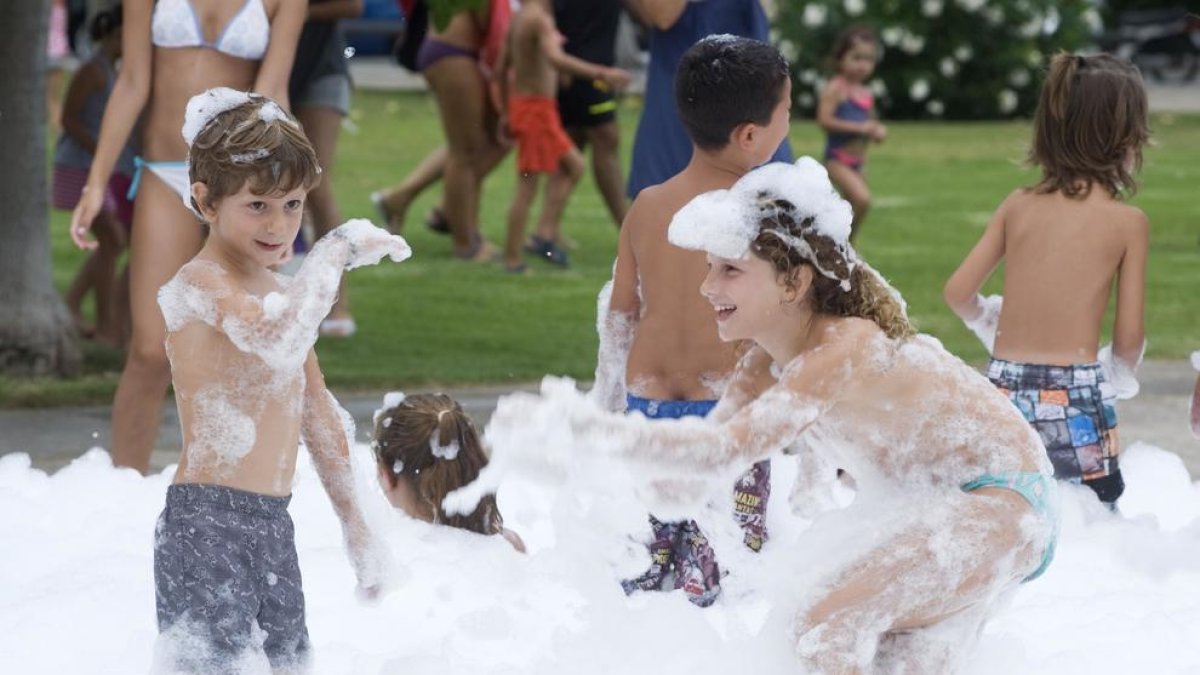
[788,49]
[854,7]
[1092,18]
[1007,99]
[918,90]
[805,100]
[931,8]
[964,53]
[1033,58]
[971,5]
[814,16]
[1052,20]
[912,44]
[948,66]
[935,107]
[1019,77]
[878,88]
[994,15]
[808,76]
[1030,28]
[891,35]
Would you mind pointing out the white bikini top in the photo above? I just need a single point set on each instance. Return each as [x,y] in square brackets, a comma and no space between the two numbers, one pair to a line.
[175,24]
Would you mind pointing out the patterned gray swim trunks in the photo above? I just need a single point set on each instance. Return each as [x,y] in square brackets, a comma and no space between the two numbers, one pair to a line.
[227,579]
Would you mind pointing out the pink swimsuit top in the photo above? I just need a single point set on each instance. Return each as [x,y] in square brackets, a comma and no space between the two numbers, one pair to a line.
[175,25]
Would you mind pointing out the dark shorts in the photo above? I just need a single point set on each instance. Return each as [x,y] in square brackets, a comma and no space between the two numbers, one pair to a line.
[227,579]
[584,103]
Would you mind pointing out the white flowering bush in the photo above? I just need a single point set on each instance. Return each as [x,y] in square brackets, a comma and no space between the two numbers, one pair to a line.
[953,59]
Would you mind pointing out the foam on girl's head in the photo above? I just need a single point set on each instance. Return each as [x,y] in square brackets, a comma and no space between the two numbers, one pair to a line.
[205,106]
[725,222]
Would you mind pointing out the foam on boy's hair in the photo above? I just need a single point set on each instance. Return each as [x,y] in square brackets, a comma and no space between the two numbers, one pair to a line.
[205,106]
[726,222]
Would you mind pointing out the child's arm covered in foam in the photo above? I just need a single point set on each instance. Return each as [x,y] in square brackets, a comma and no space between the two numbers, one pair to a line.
[280,327]
[327,431]
[961,293]
[618,309]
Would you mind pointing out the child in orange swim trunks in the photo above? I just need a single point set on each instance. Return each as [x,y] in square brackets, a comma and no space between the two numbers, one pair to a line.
[535,56]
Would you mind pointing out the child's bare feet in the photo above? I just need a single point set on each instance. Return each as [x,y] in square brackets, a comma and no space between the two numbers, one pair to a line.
[482,251]
[391,207]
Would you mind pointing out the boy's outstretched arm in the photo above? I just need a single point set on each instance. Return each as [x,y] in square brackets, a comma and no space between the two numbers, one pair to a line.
[961,291]
[617,312]
[327,433]
[280,327]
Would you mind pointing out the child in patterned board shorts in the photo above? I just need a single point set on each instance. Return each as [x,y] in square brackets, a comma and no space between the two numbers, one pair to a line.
[1089,130]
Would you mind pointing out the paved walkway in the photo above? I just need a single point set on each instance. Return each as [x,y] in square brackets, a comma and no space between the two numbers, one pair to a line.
[53,437]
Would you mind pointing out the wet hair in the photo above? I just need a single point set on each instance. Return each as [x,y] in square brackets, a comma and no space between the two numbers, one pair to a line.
[405,438]
[105,23]
[725,81]
[243,145]
[846,40]
[854,289]
[1091,116]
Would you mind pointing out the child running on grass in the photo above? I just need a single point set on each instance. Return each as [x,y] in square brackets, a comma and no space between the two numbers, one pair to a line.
[847,114]
[659,350]
[1073,233]
[249,389]
[534,54]
[425,448]
[955,500]
[82,111]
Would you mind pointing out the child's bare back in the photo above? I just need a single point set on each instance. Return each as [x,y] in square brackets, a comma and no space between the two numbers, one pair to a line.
[534,73]
[1053,241]
[676,353]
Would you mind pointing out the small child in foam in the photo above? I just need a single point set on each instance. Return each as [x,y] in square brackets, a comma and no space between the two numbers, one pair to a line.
[659,350]
[955,503]
[248,387]
[1065,241]
[426,447]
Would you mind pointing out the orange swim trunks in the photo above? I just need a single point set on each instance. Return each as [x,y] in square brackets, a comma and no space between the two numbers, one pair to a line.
[541,141]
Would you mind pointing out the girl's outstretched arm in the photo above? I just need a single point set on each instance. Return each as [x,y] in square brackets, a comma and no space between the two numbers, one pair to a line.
[124,106]
[327,431]
[276,66]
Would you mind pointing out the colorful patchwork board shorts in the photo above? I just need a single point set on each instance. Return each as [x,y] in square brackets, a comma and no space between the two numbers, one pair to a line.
[681,556]
[1072,409]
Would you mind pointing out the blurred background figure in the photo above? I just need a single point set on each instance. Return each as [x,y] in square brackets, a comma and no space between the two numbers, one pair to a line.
[320,89]
[58,57]
[87,95]
[588,107]
[661,148]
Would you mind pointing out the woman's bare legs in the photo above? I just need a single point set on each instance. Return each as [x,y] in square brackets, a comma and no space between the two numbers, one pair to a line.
[853,188]
[397,198]
[462,102]
[165,236]
[955,559]
[321,125]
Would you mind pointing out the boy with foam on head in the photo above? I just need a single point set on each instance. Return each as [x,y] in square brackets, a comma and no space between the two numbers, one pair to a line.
[534,54]
[659,349]
[240,341]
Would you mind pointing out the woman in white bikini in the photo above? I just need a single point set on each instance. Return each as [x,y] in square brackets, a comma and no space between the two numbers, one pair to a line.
[173,50]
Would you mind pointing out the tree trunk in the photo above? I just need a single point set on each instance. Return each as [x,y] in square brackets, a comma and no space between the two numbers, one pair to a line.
[36,333]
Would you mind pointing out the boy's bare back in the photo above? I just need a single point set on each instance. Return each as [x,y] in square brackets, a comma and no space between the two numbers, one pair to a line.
[1050,242]
[676,353]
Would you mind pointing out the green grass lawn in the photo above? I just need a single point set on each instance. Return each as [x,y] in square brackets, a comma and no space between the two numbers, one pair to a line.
[436,321]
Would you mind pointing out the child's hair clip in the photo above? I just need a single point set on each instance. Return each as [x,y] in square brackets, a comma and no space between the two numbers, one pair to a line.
[249,157]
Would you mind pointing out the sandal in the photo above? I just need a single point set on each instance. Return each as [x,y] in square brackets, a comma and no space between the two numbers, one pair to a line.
[548,250]
[392,221]
[436,220]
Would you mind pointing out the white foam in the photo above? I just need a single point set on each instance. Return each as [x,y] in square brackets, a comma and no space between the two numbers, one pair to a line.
[205,106]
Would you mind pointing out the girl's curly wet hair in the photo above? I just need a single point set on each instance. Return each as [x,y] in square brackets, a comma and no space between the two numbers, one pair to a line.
[405,438]
[843,285]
